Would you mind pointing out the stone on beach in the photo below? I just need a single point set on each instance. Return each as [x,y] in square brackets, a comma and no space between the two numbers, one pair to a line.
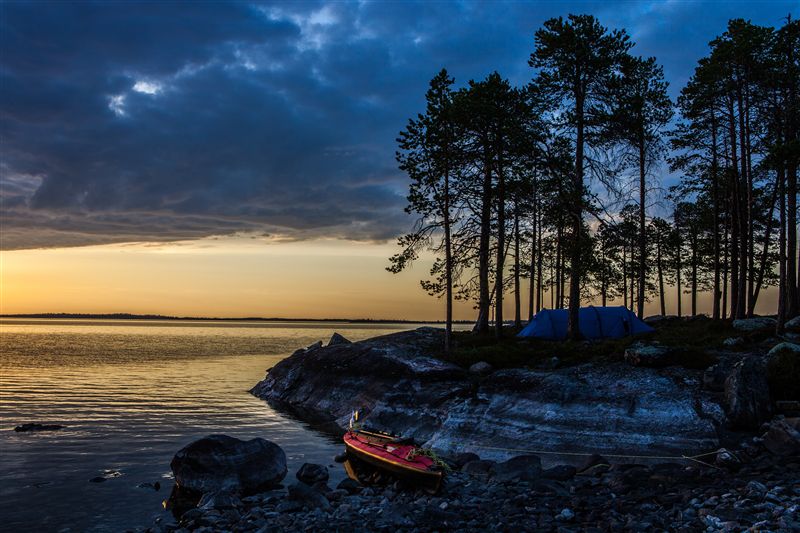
[220,462]
[310,473]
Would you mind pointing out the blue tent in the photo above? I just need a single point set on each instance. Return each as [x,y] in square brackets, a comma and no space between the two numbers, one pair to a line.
[595,323]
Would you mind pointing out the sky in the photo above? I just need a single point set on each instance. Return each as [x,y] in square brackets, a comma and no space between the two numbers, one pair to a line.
[237,158]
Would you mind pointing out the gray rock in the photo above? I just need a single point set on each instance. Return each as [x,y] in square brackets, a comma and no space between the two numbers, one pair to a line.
[337,339]
[220,462]
[755,488]
[316,346]
[793,325]
[783,437]
[481,468]
[649,355]
[481,368]
[560,473]
[732,342]
[754,324]
[747,394]
[784,347]
[289,506]
[519,468]
[311,473]
[221,499]
[309,497]
[726,459]
[350,485]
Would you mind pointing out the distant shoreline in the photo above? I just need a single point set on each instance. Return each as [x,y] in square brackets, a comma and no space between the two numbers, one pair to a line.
[129,316]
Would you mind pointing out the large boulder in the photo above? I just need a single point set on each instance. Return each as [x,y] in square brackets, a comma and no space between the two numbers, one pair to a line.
[481,368]
[223,463]
[310,473]
[747,394]
[754,324]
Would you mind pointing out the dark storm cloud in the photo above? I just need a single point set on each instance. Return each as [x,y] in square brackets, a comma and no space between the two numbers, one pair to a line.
[155,122]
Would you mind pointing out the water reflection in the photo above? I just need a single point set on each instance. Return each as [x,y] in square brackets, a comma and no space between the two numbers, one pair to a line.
[130,395]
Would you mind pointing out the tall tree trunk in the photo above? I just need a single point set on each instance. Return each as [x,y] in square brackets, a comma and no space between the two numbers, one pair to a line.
[539,257]
[715,308]
[501,241]
[725,275]
[783,286]
[751,304]
[484,300]
[533,289]
[678,267]
[559,297]
[744,223]
[747,176]
[694,274]
[660,267]
[573,324]
[448,257]
[624,276]
[792,303]
[735,210]
[517,295]
[642,232]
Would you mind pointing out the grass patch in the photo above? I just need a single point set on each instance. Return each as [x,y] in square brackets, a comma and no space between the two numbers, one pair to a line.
[690,338]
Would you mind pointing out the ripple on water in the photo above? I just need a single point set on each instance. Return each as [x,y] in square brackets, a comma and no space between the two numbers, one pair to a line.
[131,394]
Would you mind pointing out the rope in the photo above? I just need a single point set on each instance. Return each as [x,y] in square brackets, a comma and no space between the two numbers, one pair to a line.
[694,458]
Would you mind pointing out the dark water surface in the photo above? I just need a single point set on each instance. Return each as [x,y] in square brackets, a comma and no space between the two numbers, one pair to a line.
[132,393]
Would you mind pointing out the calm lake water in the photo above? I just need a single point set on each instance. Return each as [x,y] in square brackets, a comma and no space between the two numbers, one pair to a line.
[132,393]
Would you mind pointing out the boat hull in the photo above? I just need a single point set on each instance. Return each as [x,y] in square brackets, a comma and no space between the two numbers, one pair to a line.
[381,453]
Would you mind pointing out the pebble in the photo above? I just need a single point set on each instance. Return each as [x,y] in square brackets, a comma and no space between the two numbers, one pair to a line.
[760,493]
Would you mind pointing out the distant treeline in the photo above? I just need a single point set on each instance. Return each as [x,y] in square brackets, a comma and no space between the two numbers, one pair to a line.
[556,181]
[129,316]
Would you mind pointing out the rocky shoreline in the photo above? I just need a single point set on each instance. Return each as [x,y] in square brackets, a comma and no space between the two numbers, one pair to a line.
[744,489]
[747,479]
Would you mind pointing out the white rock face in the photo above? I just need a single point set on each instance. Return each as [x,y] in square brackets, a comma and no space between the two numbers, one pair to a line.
[611,408]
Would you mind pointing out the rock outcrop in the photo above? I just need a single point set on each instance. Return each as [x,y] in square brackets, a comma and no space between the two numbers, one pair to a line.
[222,463]
[607,408]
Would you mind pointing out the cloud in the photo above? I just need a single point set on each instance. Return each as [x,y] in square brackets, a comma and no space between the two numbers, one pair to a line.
[160,121]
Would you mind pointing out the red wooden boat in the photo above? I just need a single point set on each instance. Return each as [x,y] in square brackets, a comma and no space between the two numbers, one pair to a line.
[394,455]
